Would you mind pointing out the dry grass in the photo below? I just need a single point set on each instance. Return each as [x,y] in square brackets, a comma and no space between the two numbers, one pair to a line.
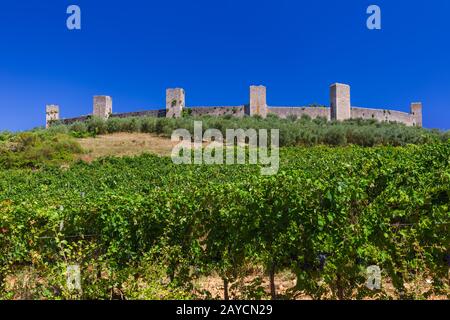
[125,144]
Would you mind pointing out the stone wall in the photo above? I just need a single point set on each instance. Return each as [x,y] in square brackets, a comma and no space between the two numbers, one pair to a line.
[238,111]
[382,115]
[281,111]
[340,109]
[147,113]
[73,120]
[313,112]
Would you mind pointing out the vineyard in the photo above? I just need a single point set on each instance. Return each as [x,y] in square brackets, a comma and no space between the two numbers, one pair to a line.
[144,228]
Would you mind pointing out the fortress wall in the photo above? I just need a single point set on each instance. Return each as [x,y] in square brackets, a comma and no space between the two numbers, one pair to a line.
[313,112]
[237,111]
[382,115]
[282,112]
[147,113]
[175,104]
[72,120]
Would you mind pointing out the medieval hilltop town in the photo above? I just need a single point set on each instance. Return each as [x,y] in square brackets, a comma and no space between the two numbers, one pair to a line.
[340,109]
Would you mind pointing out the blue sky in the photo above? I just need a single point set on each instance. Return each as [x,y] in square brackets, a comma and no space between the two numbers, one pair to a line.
[133,50]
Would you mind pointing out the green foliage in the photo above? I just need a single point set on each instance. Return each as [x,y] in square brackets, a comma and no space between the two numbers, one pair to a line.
[148,124]
[327,215]
[37,149]
[186,112]
[293,131]
[96,125]
[292,117]
[78,129]
[273,116]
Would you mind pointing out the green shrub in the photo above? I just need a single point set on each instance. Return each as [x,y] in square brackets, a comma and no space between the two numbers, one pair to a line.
[148,124]
[187,112]
[55,129]
[132,125]
[335,136]
[96,125]
[114,125]
[37,149]
[293,131]
[79,129]
[305,118]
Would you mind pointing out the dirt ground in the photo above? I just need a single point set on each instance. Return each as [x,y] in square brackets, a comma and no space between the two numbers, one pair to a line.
[254,286]
[285,280]
[246,288]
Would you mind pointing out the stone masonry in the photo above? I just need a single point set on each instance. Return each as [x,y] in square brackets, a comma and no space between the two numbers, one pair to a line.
[340,101]
[102,106]
[258,101]
[340,109]
[51,114]
[175,102]
[416,111]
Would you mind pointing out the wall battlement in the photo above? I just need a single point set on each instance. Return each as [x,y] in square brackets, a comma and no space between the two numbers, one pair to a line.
[340,109]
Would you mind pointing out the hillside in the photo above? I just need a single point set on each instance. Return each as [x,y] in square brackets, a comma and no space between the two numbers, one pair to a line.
[293,131]
[327,215]
[141,227]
